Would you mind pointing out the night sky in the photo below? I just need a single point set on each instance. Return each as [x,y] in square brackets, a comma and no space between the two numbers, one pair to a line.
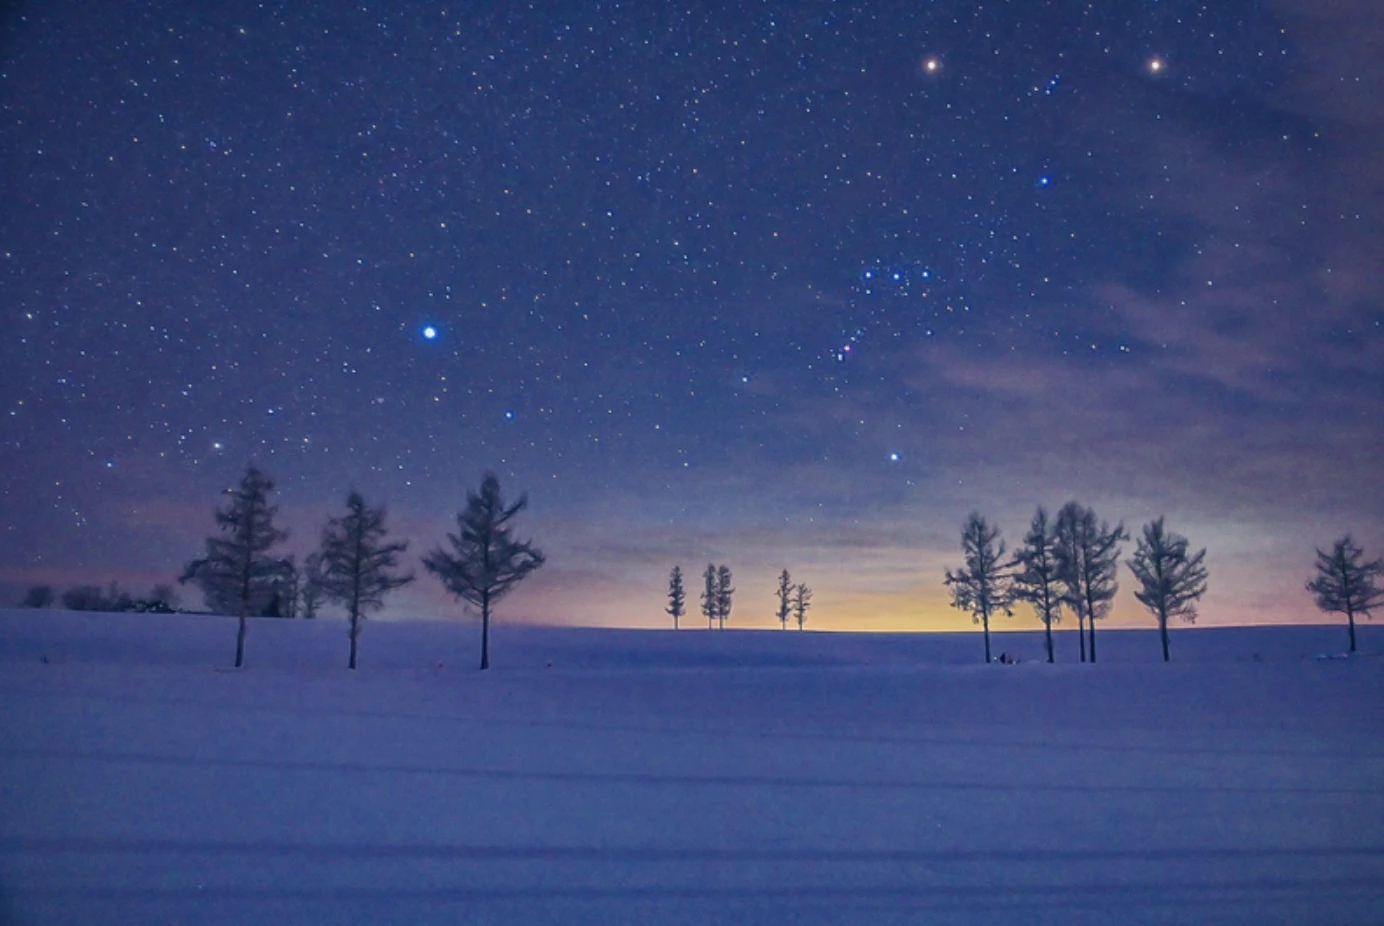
[769,284]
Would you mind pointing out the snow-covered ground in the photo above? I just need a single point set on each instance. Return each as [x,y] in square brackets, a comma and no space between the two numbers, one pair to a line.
[653,777]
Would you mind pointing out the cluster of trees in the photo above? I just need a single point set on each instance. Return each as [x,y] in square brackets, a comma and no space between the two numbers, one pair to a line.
[717,592]
[1072,563]
[355,564]
[794,600]
[160,600]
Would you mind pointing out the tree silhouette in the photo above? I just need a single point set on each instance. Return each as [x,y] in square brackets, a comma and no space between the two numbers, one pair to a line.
[724,592]
[785,598]
[357,565]
[1035,580]
[982,586]
[1346,585]
[677,596]
[710,601]
[1088,560]
[486,562]
[1170,581]
[238,575]
[310,592]
[802,601]
[38,596]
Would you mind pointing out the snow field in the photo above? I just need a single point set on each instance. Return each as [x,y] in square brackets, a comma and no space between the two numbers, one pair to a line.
[691,778]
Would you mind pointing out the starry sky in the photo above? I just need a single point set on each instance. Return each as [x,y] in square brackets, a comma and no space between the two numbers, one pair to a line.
[770,284]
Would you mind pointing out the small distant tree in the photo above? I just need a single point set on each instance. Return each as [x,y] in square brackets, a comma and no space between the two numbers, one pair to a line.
[357,565]
[1035,578]
[238,575]
[710,602]
[982,586]
[1088,561]
[1170,581]
[785,598]
[724,591]
[485,561]
[310,593]
[92,598]
[802,601]
[677,596]
[38,596]
[83,598]
[1346,584]
[163,597]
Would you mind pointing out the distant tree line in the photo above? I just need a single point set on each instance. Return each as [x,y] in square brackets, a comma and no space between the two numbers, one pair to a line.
[162,599]
[718,598]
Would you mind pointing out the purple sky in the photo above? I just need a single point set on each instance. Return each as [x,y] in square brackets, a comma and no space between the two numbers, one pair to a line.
[770,285]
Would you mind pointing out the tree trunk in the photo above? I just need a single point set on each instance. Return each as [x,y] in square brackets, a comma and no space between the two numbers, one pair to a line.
[1350,619]
[1047,632]
[355,629]
[485,631]
[1091,627]
[240,640]
[985,622]
[1163,631]
[1081,634]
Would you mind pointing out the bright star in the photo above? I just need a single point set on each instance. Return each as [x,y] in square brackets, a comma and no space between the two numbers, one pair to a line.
[893,458]
[932,65]
[1156,65]
[430,332]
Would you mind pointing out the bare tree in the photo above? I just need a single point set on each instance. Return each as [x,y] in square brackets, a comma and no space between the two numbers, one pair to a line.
[1035,580]
[677,596]
[238,575]
[982,586]
[802,601]
[710,602]
[357,565]
[724,593]
[1088,561]
[1345,584]
[1170,581]
[785,598]
[486,562]
[38,596]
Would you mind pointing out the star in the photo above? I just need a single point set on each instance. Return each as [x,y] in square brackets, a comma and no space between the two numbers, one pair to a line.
[429,333]
[1157,65]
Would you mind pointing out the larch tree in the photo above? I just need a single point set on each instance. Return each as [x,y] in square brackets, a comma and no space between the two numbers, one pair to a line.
[710,603]
[981,587]
[802,601]
[1088,561]
[358,566]
[724,593]
[1035,577]
[677,596]
[485,562]
[1170,581]
[785,598]
[239,575]
[1347,584]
